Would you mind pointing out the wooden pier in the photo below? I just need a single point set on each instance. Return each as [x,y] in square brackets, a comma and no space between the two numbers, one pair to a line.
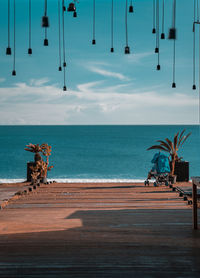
[99,230]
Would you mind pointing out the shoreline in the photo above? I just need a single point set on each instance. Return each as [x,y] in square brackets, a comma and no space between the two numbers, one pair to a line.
[74,180]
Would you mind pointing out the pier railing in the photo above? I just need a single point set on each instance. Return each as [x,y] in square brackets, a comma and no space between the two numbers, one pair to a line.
[195,184]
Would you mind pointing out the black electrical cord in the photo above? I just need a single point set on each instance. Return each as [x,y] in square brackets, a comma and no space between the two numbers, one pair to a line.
[59,37]
[163,20]
[64,62]
[154,17]
[126,22]
[157,34]
[112,29]
[45,7]
[14,38]
[94,21]
[194,49]
[8,23]
[29,50]
[46,43]
[174,45]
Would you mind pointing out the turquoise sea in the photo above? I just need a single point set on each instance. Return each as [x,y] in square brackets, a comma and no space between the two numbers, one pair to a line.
[92,152]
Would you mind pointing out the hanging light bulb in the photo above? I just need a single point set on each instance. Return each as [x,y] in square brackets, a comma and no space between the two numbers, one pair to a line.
[93,40]
[157,34]
[172,30]
[8,49]
[29,49]
[14,40]
[162,36]
[172,34]
[127,48]
[112,32]
[45,19]
[71,7]
[64,62]
[131,7]
[59,38]
[46,42]
[154,19]
[194,48]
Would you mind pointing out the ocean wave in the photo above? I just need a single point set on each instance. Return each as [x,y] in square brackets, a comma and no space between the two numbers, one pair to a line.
[65,180]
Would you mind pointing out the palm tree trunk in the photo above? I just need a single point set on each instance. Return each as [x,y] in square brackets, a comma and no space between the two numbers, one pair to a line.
[173,164]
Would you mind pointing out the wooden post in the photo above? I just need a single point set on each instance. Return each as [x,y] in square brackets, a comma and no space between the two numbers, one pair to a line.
[194,202]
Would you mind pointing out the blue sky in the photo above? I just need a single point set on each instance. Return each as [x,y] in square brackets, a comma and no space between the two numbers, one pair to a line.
[103,88]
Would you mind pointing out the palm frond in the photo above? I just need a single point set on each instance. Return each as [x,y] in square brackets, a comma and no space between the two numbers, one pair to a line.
[170,144]
[186,137]
[157,147]
[164,144]
[181,137]
[176,140]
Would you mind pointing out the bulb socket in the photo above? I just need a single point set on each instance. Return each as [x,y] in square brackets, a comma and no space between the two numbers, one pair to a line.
[130,9]
[45,21]
[162,36]
[172,34]
[8,51]
[30,51]
[46,42]
[127,50]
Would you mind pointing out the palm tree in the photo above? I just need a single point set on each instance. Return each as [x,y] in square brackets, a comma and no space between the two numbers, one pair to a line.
[36,149]
[172,147]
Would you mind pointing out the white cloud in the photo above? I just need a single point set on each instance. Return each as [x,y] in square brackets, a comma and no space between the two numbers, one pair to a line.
[39,82]
[108,73]
[93,103]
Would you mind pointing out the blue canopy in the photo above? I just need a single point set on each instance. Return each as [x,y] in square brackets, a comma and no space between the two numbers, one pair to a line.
[161,162]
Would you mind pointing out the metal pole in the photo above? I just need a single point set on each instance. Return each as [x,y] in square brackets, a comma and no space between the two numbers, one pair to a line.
[194,202]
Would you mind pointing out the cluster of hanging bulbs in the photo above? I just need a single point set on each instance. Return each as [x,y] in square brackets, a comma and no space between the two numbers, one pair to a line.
[130,9]
[45,25]
[72,7]
[171,35]
[61,31]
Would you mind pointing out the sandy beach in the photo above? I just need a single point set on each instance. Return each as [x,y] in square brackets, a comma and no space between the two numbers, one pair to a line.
[98,230]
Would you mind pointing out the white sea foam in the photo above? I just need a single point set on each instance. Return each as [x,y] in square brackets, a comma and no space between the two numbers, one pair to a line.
[65,180]
[11,180]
